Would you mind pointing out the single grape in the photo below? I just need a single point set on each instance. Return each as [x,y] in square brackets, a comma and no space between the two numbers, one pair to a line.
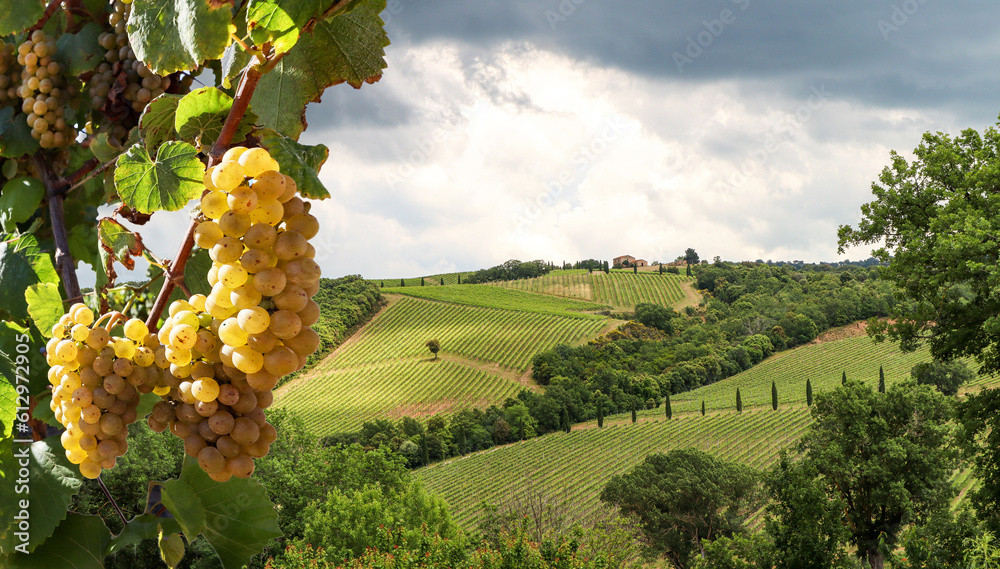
[208,233]
[253,320]
[227,176]
[136,329]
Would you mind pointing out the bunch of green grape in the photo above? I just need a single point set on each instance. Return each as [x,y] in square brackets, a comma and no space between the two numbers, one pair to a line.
[10,74]
[96,382]
[43,92]
[210,404]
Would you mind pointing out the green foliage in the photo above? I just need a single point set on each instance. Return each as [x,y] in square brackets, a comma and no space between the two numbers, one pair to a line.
[881,379]
[979,438]
[939,542]
[682,497]
[947,377]
[19,200]
[739,401]
[167,183]
[774,396]
[887,456]
[434,346]
[935,217]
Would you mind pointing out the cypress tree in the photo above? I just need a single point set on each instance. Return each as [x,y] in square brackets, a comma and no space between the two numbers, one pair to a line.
[739,401]
[669,410]
[459,278]
[564,420]
[402,282]
[633,412]
[600,412]
[635,269]
[809,392]
[774,396]
[689,273]
[661,268]
[442,281]
[881,380]
[382,284]
[702,407]
[843,378]
[421,281]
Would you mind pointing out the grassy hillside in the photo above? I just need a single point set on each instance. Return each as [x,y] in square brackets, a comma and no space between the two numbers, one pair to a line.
[429,280]
[574,467]
[621,290]
[386,368]
[504,298]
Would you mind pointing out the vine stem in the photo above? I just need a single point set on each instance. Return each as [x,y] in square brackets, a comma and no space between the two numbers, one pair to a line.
[57,214]
[107,493]
[49,11]
[175,272]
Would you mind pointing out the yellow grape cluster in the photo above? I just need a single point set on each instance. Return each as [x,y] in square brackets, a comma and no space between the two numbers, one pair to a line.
[10,74]
[208,403]
[43,92]
[96,382]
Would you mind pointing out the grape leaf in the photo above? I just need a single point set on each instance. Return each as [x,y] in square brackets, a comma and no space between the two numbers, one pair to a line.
[21,197]
[239,518]
[179,35]
[80,52]
[53,482]
[118,243]
[347,48]
[282,24]
[171,549]
[195,270]
[299,161]
[157,121]
[78,543]
[12,338]
[182,502]
[201,114]
[43,412]
[15,135]
[175,178]
[19,15]
[8,408]
[22,264]
[103,149]
[45,306]
[140,528]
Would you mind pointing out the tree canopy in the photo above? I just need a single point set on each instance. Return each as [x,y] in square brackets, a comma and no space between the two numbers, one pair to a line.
[935,220]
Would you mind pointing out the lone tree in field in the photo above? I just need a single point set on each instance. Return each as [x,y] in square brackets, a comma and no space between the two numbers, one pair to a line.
[668,408]
[703,408]
[402,282]
[422,281]
[739,401]
[881,380]
[691,256]
[809,392]
[442,281]
[434,346]
[774,396]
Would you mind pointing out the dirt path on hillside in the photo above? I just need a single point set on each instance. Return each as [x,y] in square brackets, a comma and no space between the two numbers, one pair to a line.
[391,299]
[691,296]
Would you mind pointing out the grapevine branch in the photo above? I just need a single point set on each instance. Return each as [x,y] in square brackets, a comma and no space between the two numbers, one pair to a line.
[107,493]
[175,272]
[64,261]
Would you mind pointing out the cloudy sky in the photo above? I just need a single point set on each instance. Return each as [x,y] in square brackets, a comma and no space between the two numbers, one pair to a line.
[570,129]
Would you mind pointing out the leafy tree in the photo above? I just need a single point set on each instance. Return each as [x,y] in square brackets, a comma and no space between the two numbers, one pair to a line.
[434,346]
[683,496]
[774,396]
[691,256]
[979,439]
[809,392]
[888,457]
[655,316]
[804,523]
[935,217]
[739,401]
[947,377]
[881,380]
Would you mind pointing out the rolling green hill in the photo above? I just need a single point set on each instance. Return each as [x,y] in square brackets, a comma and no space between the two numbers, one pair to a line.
[504,298]
[621,290]
[574,467]
[386,370]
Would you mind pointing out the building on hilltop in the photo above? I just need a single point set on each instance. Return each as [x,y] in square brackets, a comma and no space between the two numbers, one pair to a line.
[629,261]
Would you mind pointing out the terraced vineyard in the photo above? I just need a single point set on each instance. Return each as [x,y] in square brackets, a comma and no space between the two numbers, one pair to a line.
[385,370]
[620,290]
[430,280]
[344,399]
[574,467]
[497,297]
